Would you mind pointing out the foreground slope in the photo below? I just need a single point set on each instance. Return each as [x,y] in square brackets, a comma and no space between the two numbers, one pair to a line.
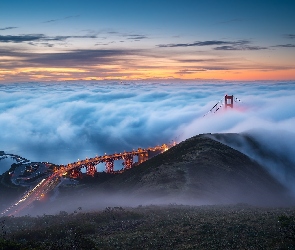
[156,227]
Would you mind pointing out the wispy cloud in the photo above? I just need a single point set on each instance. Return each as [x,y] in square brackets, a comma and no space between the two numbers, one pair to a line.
[72,58]
[204,43]
[292,36]
[79,57]
[200,69]
[49,45]
[221,45]
[105,44]
[60,19]
[135,37]
[240,47]
[190,71]
[198,60]
[113,32]
[8,28]
[285,45]
[21,38]
[37,37]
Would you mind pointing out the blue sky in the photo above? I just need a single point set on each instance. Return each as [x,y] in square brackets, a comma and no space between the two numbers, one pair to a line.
[229,40]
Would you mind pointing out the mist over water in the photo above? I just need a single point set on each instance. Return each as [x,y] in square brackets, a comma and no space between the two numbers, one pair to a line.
[61,122]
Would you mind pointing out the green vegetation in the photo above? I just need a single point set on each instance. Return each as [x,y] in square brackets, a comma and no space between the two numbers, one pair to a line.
[153,227]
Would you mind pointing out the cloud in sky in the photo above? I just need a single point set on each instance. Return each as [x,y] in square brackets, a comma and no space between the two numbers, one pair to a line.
[221,45]
[285,45]
[292,36]
[136,37]
[37,38]
[22,38]
[240,47]
[204,43]
[8,28]
[80,58]
[61,19]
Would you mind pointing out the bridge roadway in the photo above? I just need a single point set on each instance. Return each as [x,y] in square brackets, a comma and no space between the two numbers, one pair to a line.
[143,155]
[53,180]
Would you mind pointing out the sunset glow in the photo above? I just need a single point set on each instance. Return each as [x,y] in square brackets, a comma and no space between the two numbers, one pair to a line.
[187,40]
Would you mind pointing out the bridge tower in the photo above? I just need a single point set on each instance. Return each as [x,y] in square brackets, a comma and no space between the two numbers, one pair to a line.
[229,101]
[128,161]
[76,173]
[142,155]
[110,165]
[90,170]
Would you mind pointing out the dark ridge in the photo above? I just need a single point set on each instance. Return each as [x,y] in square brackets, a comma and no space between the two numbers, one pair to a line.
[197,171]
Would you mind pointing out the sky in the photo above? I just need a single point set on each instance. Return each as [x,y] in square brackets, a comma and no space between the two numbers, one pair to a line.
[146,40]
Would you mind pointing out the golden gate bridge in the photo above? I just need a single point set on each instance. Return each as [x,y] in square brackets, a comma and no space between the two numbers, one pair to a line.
[74,169]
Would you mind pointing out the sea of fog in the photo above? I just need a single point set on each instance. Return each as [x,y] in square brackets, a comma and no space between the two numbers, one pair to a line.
[62,122]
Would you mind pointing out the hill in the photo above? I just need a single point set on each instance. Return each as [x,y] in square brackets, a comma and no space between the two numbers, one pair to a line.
[201,169]
[197,171]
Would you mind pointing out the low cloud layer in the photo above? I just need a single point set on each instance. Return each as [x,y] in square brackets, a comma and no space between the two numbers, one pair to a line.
[66,121]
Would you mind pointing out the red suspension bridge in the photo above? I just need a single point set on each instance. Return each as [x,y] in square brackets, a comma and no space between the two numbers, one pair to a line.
[74,169]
